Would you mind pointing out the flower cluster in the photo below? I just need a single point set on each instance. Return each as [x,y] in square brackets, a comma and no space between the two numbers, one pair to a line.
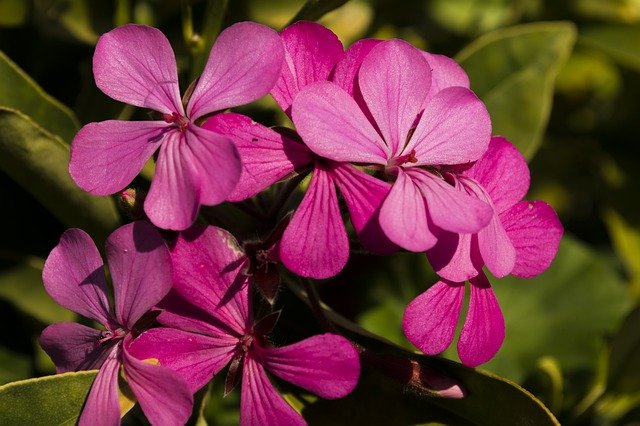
[396,131]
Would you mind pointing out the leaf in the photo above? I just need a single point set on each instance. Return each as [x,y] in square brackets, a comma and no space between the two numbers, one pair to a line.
[13,366]
[574,304]
[13,12]
[624,362]
[49,400]
[202,42]
[621,42]
[75,19]
[513,71]
[21,284]
[18,91]
[626,242]
[313,10]
[38,161]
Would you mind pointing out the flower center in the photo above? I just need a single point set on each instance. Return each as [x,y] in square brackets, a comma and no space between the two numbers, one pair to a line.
[245,342]
[177,120]
[399,161]
[110,335]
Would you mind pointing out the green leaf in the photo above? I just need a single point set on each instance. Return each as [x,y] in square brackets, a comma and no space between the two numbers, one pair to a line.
[39,162]
[75,19]
[50,400]
[621,42]
[13,366]
[313,10]
[513,71]
[13,12]
[21,284]
[624,362]
[18,91]
[626,242]
[200,44]
[572,305]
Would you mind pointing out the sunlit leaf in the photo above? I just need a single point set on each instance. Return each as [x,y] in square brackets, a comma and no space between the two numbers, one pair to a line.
[39,162]
[18,91]
[13,12]
[621,42]
[513,71]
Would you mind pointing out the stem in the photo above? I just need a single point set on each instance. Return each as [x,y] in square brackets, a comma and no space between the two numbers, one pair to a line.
[316,306]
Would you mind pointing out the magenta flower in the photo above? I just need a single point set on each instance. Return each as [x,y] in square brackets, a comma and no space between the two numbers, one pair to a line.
[208,274]
[135,64]
[140,268]
[393,120]
[311,54]
[521,239]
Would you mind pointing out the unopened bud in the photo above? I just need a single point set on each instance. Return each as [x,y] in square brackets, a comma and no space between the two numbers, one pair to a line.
[131,202]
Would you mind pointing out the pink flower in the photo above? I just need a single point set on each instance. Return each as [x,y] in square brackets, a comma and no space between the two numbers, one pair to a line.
[312,52]
[521,239]
[208,274]
[135,64]
[381,110]
[140,267]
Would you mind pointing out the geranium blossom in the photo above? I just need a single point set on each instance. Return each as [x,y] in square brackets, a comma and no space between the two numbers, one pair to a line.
[216,327]
[140,267]
[135,64]
[522,239]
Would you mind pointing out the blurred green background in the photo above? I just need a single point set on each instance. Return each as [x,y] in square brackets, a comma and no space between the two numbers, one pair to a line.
[561,79]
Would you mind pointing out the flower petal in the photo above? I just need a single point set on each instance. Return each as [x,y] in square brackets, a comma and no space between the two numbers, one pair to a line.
[483,330]
[315,243]
[503,172]
[345,73]
[449,208]
[456,257]
[455,128]
[266,155]
[327,365]
[107,156]
[207,272]
[73,347]
[394,80]
[216,162]
[102,406]
[403,216]
[430,320]
[260,403]
[140,268]
[445,72]
[136,65]
[73,275]
[244,64]
[535,231]
[332,125]
[196,358]
[310,52]
[163,396]
[174,196]
[364,195]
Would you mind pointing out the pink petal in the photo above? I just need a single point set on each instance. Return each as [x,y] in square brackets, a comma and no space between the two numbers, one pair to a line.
[260,403]
[327,365]
[244,64]
[430,320]
[394,80]
[73,275]
[456,257]
[102,406]
[503,172]
[450,208]
[73,347]
[135,64]
[345,73]
[315,243]
[483,330]
[140,268]
[494,244]
[174,196]
[196,358]
[310,52]
[455,128]
[163,396]
[267,156]
[107,156]
[364,195]
[216,162]
[403,216]
[445,72]
[332,125]
[535,231]
[207,272]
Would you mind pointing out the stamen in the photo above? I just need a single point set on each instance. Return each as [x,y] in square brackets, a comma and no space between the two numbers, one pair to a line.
[177,119]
